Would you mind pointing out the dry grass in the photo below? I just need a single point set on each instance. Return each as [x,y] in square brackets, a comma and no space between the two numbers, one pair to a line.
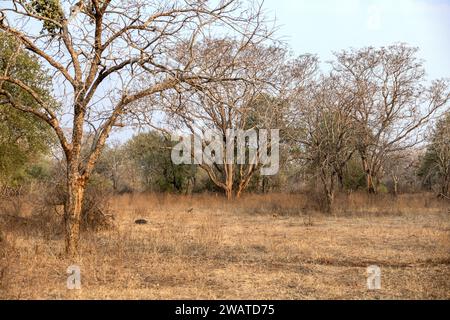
[260,247]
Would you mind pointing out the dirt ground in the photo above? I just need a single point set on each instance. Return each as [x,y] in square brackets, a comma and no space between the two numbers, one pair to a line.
[261,247]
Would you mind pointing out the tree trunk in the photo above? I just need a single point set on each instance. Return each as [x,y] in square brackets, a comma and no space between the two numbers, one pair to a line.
[229,193]
[243,184]
[328,184]
[330,201]
[341,180]
[240,191]
[370,183]
[395,180]
[72,211]
[115,181]
[229,181]
[264,185]
[446,186]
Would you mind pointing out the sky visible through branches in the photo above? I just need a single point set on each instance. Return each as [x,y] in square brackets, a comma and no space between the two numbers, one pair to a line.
[324,26]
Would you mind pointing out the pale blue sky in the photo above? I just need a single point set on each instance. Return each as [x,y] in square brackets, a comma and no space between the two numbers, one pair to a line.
[323,26]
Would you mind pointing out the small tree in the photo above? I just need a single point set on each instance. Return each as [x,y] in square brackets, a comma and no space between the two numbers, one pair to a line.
[151,154]
[111,165]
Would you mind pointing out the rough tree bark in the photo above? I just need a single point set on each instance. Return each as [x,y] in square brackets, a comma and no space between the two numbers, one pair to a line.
[328,182]
[76,188]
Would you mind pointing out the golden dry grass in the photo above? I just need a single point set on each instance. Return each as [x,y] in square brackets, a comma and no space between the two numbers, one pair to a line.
[260,247]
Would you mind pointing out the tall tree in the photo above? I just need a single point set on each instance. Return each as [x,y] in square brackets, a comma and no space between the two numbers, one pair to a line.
[99,53]
[324,133]
[245,104]
[436,163]
[392,101]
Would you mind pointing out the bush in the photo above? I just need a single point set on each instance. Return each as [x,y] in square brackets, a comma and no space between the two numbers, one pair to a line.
[96,214]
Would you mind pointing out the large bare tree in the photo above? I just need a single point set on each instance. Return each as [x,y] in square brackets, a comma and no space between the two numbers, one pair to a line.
[245,104]
[392,101]
[324,132]
[106,55]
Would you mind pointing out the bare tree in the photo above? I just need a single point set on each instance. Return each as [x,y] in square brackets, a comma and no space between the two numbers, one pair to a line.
[400,168]
[392,102]
[100,52]
[436,163]
[324,133]
[247,103]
